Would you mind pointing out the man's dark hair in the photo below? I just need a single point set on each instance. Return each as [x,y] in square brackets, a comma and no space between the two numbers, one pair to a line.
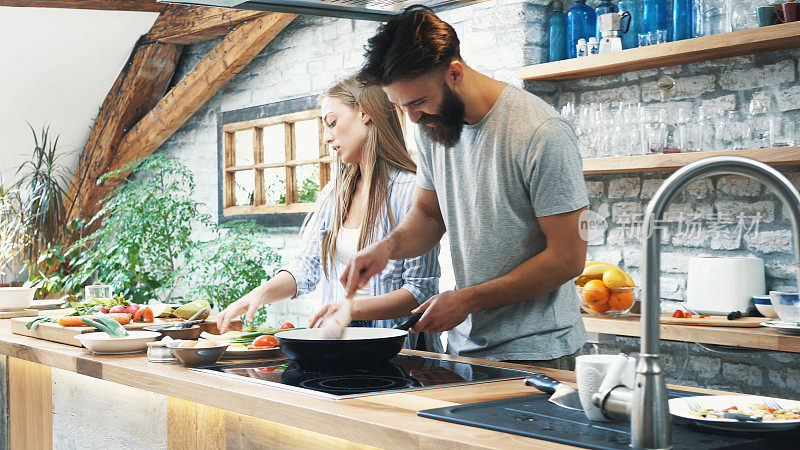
[408,46]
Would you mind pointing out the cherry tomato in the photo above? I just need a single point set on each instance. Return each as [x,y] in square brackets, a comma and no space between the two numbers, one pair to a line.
[678,314]
[287,325]
[265,341]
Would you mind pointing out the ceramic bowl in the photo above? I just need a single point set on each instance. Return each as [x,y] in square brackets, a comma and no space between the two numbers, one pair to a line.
[16,297]
[190,356]
[786,305]
[620,303]
[764,306]
[101,342]
[190,333]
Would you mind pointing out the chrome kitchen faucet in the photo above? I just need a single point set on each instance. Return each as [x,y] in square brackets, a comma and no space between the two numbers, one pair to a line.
[646,404]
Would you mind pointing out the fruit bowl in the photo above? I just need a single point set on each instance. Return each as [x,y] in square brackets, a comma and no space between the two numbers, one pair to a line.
[607,302]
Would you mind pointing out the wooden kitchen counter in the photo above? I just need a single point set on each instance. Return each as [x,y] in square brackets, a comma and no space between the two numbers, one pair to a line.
[757,337]
[207,411]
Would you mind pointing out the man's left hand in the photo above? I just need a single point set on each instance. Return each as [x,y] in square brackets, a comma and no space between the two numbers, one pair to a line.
[442,312]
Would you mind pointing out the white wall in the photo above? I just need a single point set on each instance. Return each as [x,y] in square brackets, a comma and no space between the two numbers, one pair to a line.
[56,66]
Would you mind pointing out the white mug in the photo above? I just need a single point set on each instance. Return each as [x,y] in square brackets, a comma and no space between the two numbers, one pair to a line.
[590,371]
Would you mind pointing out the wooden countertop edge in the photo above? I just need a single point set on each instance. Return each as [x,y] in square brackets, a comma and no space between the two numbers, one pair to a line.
[757,337]
[367,420]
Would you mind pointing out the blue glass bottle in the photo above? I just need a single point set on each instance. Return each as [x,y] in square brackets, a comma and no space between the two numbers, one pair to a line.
[558,32]
[581,23]
[654,16]
[682,20]
[631,38]
[605,6]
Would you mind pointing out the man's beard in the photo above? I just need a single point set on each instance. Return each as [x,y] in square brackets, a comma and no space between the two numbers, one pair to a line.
[447,125]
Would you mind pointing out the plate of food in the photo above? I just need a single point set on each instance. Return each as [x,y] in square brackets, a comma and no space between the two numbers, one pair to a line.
[252,342]
[738,412]
[241,351]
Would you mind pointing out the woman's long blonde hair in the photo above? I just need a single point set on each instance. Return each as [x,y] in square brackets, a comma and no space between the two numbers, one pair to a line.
[383,150]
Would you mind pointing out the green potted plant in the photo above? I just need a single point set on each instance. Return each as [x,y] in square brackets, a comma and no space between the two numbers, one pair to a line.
[42,181]
[14,238]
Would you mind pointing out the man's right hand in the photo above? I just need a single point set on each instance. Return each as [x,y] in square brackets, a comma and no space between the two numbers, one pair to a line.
[248,304]
[364,265]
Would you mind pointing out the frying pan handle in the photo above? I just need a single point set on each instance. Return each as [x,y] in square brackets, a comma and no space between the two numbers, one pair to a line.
[408,322]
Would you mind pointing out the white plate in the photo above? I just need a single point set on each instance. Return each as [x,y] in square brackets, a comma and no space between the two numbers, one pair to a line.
[244,353]
[783,327]
[678,407]
[101,342]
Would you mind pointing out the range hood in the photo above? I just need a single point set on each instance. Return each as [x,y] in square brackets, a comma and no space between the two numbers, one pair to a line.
[379,10]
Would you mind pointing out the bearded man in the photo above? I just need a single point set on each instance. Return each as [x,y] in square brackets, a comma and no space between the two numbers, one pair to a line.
[501,171]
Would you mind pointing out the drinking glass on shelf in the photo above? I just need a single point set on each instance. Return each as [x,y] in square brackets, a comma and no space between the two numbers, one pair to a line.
[98,291]
[660,37]
[759,118]
[781,132]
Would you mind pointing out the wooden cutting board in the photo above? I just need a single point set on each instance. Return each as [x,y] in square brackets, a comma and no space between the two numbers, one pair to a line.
[50,331]
[714,321]
[18,313]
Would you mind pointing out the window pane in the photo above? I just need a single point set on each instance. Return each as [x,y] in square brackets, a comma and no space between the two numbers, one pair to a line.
[306,134]
[244,147]
[274,151]
[275,186]
[245,187]
[307,183]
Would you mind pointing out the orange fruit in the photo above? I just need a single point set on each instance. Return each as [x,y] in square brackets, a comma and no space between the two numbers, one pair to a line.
[595,291]
[600,307]
[621,299]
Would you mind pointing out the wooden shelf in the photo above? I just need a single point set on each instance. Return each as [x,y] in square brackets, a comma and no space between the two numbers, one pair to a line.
[744,42]
[761,337]
[777,156]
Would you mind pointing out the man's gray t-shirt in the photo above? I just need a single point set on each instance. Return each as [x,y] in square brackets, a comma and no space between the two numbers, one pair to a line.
[518,163]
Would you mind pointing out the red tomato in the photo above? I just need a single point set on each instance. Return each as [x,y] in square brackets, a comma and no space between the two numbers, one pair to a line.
[117,309]
[102,309]
[265,341]
[132,308]
[678,314]
[287,325]
[137,316]
[147,315]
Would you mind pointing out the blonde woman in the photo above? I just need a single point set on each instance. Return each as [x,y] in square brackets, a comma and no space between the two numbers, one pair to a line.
[373,189]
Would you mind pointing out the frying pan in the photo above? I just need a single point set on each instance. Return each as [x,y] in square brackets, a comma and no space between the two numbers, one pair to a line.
[358,347]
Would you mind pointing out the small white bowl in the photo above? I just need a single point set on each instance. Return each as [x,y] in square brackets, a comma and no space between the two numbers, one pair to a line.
[764,306]
[102,343]
[16,297]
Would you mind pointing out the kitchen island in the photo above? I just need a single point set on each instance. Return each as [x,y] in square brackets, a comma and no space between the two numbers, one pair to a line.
[59,396]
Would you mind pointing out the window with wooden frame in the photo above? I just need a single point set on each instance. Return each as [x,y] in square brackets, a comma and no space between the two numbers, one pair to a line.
[273,160]
[275,164]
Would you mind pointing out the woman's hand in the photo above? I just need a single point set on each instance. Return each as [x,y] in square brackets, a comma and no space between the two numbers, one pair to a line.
[248,304]
[327,312]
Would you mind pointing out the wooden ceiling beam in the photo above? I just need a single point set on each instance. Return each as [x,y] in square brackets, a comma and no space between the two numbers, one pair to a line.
[191,24]
[139,86]
[105,5]
[224,61]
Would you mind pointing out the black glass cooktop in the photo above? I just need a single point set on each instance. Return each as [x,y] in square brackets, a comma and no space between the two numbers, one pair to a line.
[402,373]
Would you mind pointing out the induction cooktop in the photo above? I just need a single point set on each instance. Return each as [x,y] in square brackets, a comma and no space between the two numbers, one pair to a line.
[403,373]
